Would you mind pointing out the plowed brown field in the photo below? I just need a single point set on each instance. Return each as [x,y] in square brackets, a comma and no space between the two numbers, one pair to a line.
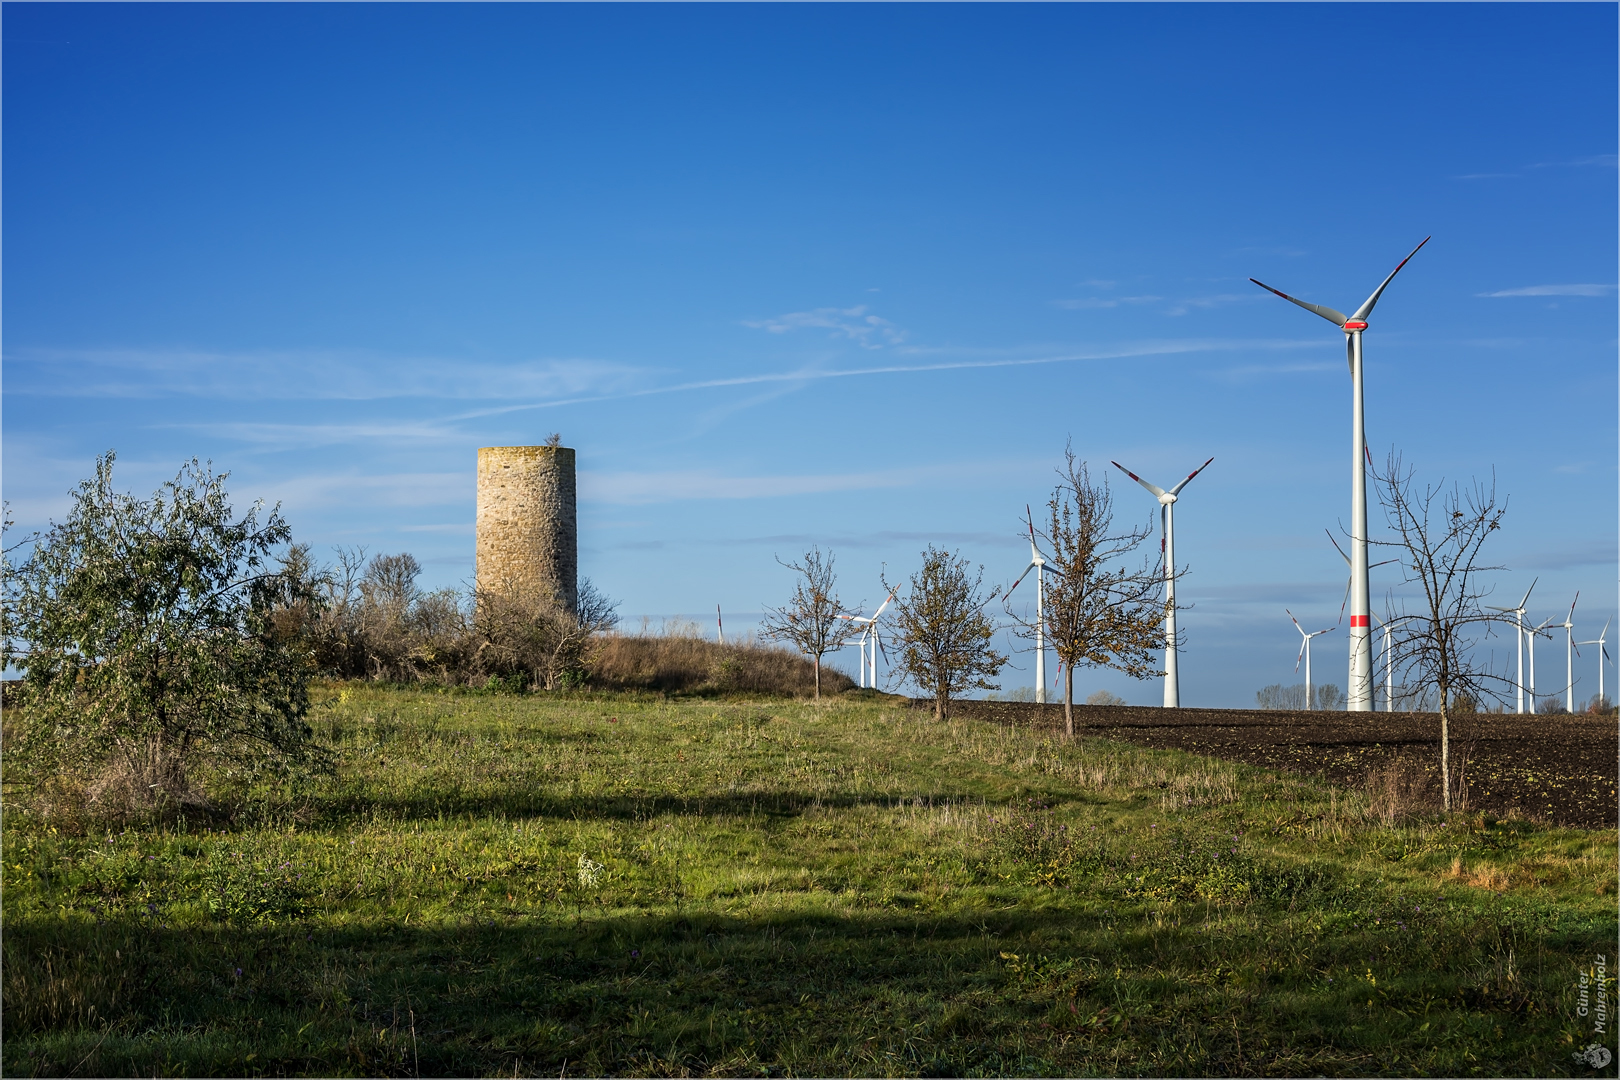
[1558,768]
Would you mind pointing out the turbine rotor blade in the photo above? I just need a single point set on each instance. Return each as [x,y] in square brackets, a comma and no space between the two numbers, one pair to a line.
[1177,489]
[1337,318]
[1366,309]
[1021,577]
[1335,543]
[1151,487]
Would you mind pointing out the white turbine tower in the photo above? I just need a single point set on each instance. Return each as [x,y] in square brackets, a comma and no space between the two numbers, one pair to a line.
[1167,548]
[1532,633]
[1603,653]
[1305,652]
[1389,667]
[1389,678]
[1037,563]
[1361,692]
[869,633]
[1518,622]
[1568,626]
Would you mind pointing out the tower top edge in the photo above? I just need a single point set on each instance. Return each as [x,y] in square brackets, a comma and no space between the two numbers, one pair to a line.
[526,451]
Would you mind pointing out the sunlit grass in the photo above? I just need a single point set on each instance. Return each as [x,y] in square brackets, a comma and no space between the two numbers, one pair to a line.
[849,888]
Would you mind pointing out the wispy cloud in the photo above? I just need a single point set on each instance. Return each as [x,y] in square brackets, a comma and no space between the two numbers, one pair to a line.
[680,485]
[1204,303]
[1592,553]
[1176,307]
[1592,160]
[1254,371]
[873,540]
[466,528]
[304,436]
[297,375]
[854,324]
[1136,349]
[1090,302]
[356,492]
[1554,290]
[1599,160]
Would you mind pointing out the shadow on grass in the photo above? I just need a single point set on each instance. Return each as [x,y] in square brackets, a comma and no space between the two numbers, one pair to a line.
[1054,991]
[338,808]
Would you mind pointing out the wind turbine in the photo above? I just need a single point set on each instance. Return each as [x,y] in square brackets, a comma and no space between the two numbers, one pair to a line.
[1305,652]
[1389,667]
[1569,654]
[1532,634]
[1518,622]
[1360,691]
[1037,563]
[870,632]
[1603,653]
[1167,547]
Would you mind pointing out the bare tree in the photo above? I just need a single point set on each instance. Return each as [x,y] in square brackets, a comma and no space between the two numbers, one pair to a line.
[944,632]
[1098,614]
[1441,532]
[813,621]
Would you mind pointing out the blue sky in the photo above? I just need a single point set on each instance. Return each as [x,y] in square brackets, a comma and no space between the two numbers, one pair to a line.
[845,274]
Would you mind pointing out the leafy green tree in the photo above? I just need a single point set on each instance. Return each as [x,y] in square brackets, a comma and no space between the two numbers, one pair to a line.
[944,631]
[146,632]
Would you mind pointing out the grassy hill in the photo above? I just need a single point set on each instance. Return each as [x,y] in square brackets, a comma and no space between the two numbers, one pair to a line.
[631,885]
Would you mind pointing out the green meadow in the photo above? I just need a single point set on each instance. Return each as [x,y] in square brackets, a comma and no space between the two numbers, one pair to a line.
[594,884]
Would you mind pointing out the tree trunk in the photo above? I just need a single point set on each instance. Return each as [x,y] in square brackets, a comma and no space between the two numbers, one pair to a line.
[941,700]
[818,678]
[1068,700]
[1445,757]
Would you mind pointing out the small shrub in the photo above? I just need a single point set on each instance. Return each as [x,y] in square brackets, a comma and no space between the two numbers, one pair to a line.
[1104,699]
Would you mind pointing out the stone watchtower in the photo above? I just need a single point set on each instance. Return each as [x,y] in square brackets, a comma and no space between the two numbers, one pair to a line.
[528,534]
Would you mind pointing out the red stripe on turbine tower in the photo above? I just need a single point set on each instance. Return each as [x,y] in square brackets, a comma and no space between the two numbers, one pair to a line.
[1360,620]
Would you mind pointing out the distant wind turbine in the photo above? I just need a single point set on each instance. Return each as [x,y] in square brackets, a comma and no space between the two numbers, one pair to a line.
[1167,547]
[1569,654]
[1037,563]
[1360,690]
[869,634]
[1305,653]
[1603,653]
[1389,667]
[1532,634]
[1518,622]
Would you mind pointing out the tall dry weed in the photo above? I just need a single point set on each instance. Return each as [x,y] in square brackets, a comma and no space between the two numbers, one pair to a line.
[1399,790]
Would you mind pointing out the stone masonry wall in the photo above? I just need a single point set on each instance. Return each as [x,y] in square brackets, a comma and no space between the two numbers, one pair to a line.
[528,531]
